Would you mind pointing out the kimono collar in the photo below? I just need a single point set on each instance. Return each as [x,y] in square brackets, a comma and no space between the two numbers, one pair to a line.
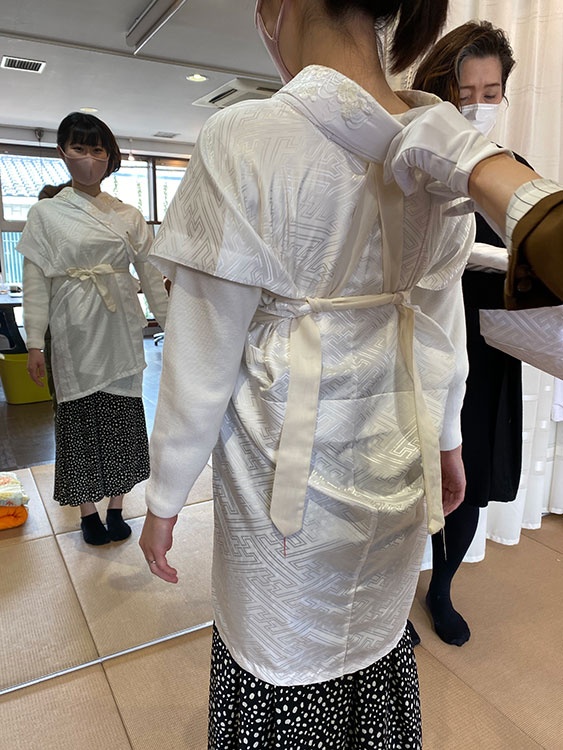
[346,113]
[92,204]
[101,208]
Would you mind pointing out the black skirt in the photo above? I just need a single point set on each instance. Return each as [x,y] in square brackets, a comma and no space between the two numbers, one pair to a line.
[491,418]
[101,448]
[376,708]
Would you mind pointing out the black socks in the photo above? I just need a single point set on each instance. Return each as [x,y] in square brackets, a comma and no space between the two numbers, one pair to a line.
[118,530]
[93,530]
[415,638]
[448,623]
[459,532]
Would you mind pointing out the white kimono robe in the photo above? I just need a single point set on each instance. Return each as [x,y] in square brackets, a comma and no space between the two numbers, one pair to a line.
[302,288]
[80,284]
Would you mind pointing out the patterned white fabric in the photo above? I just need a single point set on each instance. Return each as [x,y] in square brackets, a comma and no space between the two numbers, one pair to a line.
[81,248]
[268,202]
[533,336]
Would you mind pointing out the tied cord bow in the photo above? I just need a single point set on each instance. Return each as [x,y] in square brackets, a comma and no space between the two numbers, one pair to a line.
[96,274]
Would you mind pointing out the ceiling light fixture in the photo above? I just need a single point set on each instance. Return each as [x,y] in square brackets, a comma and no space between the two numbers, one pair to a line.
[88,110]
[153,18]
[196,77]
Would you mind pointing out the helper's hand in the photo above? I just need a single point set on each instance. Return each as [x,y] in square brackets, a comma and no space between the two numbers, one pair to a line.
[155,541]
[441,143]
[36,366]
[453,479]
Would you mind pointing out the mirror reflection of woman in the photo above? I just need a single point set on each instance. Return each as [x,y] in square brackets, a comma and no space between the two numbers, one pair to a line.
[77,248]
[470,67]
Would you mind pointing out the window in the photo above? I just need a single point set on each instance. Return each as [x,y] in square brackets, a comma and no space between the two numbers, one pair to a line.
[169,174]
[131,185]
[13,261]
[22,178]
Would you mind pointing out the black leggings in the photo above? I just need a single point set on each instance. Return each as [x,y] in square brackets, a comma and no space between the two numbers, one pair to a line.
[459,531]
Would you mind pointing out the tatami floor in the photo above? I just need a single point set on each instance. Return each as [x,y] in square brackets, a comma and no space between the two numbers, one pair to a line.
[65,605]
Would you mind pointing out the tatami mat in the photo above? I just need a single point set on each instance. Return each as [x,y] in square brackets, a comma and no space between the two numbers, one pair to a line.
[73,712]
[550,534]
[126,605]
[455,717]
[43,629]
[167,707]
[37,524]
[68,519]
[514,659]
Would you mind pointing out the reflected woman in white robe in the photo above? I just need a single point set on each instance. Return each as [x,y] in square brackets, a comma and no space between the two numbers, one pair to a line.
[77,248]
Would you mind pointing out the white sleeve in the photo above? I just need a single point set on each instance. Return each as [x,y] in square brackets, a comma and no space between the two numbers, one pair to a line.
[445,306]
[36,297]
[208,320]
[152,285]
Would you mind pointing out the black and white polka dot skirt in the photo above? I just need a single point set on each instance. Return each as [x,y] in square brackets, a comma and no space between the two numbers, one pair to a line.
[377,708]
[102,448]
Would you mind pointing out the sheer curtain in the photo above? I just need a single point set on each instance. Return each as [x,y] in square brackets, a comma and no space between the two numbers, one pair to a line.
[532,125]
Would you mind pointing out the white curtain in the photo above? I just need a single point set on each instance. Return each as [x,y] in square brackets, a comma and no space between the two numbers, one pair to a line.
[541,483]
[532,125]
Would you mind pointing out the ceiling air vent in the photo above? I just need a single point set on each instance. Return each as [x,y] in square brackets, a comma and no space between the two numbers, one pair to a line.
[235,91]
[20,63]
[164,134]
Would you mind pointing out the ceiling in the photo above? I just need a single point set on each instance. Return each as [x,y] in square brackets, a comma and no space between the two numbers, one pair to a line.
[90,65]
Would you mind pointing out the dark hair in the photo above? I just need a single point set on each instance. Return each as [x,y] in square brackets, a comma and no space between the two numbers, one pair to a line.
[439,72]
[90,131]
[418,23]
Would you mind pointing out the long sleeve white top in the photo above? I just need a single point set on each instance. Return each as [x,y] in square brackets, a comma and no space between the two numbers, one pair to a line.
[77,251]
[206,329]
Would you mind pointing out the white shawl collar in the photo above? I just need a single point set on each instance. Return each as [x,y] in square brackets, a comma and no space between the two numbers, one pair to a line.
[346,113]
[100,207]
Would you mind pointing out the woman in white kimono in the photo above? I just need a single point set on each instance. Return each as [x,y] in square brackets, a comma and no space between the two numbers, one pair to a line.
[77,248]
[316,344]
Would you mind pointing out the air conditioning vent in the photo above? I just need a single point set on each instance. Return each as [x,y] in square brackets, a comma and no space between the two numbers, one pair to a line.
[164,134]
[20,63]
[235,91]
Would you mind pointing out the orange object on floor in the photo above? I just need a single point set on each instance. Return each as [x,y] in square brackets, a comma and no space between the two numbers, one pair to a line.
[12,516]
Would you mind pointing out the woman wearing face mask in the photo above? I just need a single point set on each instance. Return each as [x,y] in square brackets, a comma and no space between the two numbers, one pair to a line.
[77,248]
[470,66]
[315,342]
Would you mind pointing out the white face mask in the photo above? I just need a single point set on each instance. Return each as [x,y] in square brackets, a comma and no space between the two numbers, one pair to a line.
[481,116]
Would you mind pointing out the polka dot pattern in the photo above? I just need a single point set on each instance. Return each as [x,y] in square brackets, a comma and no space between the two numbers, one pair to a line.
[377,708]
[102,448]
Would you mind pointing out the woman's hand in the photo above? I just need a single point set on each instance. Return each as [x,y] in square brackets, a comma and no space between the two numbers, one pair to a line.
[155,541]
[453,479]
[36,366]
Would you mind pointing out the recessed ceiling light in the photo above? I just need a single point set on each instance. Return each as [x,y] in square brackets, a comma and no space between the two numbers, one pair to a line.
[197,78]
[88,110]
